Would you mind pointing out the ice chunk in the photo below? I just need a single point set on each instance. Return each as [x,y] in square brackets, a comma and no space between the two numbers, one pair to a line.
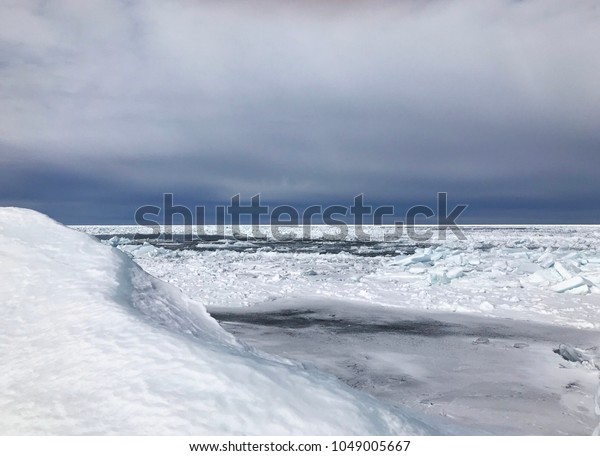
[486,306]
[116,240]
[437,255]
[582,290]
[455,273]
[588,357]
[438,277]
[417,270]
[499,265]
[545,277]
[144,250]
[573,266]
[527,267]
[546,261]
[457,259]
[570,353]
[560,268]
[570,284]
[416,258]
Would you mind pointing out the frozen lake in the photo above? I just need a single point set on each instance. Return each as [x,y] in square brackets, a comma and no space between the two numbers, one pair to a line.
[463,331]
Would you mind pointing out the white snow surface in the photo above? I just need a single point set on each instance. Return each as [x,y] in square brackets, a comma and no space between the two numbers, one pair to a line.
[91,344]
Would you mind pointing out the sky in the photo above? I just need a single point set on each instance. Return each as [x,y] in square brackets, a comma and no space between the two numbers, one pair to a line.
[108,104]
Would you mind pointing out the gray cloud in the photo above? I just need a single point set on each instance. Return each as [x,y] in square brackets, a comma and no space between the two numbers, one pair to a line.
[301,101]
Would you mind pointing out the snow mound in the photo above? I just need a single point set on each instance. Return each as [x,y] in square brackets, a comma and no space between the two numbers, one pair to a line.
[91,344]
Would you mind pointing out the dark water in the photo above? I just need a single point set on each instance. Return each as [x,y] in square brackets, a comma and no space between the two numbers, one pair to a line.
[218,243]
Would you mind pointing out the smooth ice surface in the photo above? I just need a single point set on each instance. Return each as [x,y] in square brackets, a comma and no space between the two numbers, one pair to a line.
[91,344]
[494,376]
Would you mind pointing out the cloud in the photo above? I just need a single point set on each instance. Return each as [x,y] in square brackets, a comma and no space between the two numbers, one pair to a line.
[301,100]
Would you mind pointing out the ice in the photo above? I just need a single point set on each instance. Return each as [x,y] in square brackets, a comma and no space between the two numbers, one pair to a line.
[587,357]
[438,276]
[546,260]
[527,267]
[564,273]
[570,353]
[139,251]
[486,306]
[116,240]
[500,262]
[437,255]
[581,290]
[506,272]
[545,277]
[416,258]
[574,283]
[483,374]
[481,340]
[91,344]
[417,270]
[455,273]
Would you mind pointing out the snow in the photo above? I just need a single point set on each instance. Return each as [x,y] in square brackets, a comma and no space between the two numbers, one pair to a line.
[91,344]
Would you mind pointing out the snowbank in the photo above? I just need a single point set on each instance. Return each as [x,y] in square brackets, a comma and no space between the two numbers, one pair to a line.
[91,344]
